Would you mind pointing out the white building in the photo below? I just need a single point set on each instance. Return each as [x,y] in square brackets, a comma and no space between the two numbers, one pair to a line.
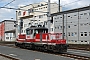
[35,14]
[7,30]
[76,25]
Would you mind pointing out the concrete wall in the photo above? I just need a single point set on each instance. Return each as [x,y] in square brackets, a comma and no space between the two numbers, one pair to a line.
[9,25]
[7,30]
[76,24]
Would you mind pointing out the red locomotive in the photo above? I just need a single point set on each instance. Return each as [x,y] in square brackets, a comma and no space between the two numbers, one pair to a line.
[39,38]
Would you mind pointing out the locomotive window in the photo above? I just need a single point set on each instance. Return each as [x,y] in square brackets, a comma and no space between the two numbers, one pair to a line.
[41,30]
[28,32]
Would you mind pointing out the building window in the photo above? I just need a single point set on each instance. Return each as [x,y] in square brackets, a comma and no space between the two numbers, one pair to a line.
[7,37]
[89,33]
[68,16]
[29,24]
[42,5]
[57,17]
[89,13]
[52,29]
[54,18]
[22,31]
[60,17]
[61,27]
[68,33]
[39,8]
[69,26]
[55,27]
[85,13]
[72,34]
[85,33]
[89,23]
[75,15]
[40,16]
[46,23]
[44,14]
[75,41]
[81,33]
[29,11]
[85,24]
[6,33]
[81,24]
[35,16]
[81,41]
[85,41]
[75,33]
[58,27]
[19,13]
[38,5]
[81,14]
[75,25]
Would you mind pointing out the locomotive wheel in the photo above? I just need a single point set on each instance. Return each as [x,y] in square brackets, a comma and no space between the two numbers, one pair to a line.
[45,47]
[16,44]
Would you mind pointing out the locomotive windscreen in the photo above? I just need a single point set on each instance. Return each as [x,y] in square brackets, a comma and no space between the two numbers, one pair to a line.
[41,30]
[36,30]
[29,31]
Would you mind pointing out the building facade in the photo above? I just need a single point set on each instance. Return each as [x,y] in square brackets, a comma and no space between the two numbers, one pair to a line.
[76,25]
[35,14]
[2,25]
[7,30]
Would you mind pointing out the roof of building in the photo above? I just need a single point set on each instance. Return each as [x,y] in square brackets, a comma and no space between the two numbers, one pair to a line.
[72,11]
[37,4]
[9,20]
[36,28]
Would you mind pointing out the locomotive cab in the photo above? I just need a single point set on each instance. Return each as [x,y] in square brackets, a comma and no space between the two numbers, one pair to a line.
[31,32]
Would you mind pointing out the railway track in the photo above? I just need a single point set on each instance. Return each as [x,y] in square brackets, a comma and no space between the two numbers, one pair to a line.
[9,57]
[75,56]
[85,47]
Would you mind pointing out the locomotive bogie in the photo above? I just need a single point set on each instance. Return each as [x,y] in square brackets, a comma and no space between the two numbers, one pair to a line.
[43,47]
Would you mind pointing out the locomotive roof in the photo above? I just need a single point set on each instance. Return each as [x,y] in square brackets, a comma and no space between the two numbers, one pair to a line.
[36,28]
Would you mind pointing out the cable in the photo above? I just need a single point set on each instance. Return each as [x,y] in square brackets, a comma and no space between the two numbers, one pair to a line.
[26,10]
[9,3]
[71,2]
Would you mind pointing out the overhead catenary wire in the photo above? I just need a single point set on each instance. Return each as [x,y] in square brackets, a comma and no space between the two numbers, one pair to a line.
[72,2]
[8,3]
[37,11]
